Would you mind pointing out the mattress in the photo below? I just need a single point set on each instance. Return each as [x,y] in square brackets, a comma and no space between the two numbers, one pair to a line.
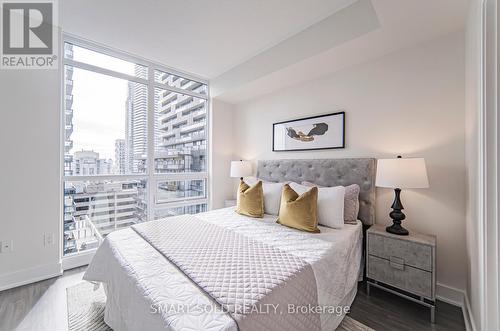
[147,292]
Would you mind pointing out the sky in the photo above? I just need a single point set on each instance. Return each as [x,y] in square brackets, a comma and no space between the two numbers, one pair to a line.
[99,104]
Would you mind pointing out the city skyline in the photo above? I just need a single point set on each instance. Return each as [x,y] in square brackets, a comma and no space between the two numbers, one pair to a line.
[106,109]
[106,133]
[99,104]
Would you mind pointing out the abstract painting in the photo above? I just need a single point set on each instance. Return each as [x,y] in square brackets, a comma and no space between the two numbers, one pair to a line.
[310,133]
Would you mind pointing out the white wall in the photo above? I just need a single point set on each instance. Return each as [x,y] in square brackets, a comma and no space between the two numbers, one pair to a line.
[222,146]
[30,166]
[411,103]
[472,157]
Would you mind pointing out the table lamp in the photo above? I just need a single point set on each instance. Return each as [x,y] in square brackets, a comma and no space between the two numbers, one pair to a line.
[399,174]
[241,169]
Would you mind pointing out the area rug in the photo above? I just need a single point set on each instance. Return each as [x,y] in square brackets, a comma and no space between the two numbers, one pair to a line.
[86,310]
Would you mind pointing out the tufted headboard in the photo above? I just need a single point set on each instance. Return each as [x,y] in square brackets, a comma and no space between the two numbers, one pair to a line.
[328,172]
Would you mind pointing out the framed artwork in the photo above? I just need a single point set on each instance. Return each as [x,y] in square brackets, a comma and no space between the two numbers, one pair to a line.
[310,133]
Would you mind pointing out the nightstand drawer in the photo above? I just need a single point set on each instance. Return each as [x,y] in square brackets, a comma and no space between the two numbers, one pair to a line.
[400,275]
[410,253]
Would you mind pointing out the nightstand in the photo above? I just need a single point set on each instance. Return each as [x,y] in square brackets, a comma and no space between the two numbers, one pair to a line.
[402,265]
[230,203]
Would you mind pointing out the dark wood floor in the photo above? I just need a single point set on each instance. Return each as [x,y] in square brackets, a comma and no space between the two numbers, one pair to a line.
[384,311]
[42,306]
[39,306]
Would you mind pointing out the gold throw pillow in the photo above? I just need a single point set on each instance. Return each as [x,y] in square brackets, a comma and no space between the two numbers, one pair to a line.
[299,212]
[250,200]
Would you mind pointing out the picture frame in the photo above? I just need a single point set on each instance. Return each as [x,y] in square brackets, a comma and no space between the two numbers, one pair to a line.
[318,132]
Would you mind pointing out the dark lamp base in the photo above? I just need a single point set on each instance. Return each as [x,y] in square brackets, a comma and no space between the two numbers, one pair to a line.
[397,215]
[397,229]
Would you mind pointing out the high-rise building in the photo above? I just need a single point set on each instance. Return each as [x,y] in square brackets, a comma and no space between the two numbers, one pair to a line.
[181,140]
[105,166]
[68,112]
[179,126]
[120,157]
[88,163]
[136,124]
[93,209]
[181,122]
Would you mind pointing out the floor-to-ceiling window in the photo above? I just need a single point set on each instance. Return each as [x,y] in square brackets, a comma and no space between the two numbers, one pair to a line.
[135,143]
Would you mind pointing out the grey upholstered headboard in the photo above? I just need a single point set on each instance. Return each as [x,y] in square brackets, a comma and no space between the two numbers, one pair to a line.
[328,172]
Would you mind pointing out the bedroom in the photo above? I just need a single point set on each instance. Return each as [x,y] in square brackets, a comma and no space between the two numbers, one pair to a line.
[147,109]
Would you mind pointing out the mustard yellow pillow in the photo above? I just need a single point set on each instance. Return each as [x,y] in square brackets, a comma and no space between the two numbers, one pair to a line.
[250,200]
[299,212]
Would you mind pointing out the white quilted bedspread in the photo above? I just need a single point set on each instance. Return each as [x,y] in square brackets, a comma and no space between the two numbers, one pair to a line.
[145,290]
[242,274]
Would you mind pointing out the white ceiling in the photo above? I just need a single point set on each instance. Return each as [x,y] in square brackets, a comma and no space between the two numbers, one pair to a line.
[203,37]
[403,23]
[220,39]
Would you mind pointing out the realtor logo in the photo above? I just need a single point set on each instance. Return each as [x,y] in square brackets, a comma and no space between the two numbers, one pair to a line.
[28,35]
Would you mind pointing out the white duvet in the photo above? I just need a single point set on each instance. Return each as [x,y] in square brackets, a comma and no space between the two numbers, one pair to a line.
[147,292]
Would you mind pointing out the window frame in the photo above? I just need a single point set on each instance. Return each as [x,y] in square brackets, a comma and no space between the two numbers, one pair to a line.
[152,178]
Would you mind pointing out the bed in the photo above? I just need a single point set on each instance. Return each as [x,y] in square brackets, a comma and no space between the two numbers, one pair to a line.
[151,284]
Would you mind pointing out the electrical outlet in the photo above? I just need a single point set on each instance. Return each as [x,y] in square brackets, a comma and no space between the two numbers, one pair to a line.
[6,246]
[48,239]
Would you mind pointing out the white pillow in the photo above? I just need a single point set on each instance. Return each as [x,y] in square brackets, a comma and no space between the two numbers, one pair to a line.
[272,195]
[330,204]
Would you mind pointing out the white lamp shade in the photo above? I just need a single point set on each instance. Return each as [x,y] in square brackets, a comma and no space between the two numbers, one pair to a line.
[241,168]
[402,173]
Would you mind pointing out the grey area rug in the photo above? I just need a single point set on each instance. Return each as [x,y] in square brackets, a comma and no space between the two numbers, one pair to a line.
[86,310]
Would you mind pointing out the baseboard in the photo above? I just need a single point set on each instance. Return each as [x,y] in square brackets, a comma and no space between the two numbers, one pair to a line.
[30,275]
[451,295]
[459,298]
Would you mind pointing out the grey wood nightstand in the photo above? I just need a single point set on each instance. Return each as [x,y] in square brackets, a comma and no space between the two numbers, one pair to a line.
[403,265]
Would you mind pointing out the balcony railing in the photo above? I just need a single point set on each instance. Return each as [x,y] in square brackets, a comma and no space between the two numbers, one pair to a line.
[69,101]
[68,145]
[193,127]
[68,53]
[166,116]
[69,130]
[69,87]
[183,140]
[69,115]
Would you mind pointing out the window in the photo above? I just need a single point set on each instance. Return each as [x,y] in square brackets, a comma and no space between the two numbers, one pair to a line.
[135,143]
[180,190]
[94,208]
[180,139]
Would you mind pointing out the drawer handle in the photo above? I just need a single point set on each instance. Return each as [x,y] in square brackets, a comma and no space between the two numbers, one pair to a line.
[397,260]
[397,263]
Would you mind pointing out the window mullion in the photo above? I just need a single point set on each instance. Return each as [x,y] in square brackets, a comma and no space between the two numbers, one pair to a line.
[104,71]
[151,143]
[181,176]
[182,203]
[103,177]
